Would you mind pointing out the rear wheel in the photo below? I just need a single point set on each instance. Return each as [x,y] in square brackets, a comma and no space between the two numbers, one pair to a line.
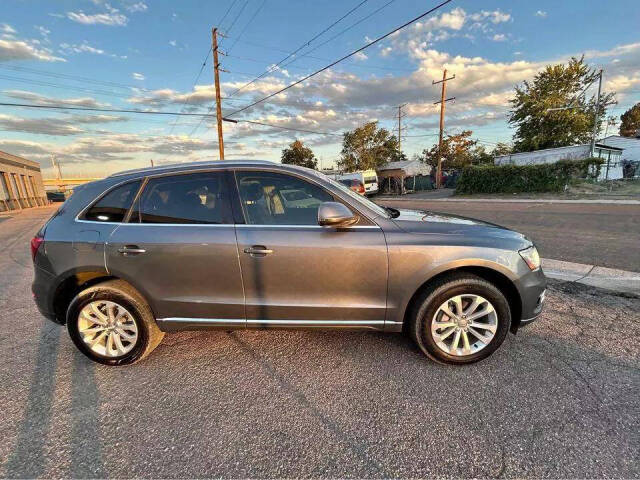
[112,324]
[460,319]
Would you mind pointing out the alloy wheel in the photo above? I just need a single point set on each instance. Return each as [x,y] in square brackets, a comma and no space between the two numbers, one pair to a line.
[464,325]
[107,328]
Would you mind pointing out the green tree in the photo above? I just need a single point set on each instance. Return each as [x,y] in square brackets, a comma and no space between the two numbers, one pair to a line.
[368,147]
[298,154]
[480,156]
[501,148]
[457,151]
[630,121]
[556,86]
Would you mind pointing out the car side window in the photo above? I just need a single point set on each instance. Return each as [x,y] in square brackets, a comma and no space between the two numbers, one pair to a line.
[278,199]
[196,198]
[114,206]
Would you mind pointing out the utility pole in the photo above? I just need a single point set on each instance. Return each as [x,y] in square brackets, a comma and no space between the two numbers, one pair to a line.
[611,122]
[56,167]
[442,102]
[595,118]
[216,75]
[400,116]
[152,163]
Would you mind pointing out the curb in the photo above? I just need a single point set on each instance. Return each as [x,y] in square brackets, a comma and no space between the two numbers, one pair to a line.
[594,276]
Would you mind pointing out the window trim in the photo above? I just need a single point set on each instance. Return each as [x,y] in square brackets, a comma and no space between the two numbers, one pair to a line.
[82,213]
[337,198]
[147,179]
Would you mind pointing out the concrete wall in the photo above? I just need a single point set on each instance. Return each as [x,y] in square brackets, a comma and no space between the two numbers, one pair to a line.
[20,183]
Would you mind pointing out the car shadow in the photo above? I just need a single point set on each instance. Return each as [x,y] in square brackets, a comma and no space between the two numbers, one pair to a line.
[29,456]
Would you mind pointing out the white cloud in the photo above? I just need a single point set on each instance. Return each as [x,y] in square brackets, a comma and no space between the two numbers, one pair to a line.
[360,56]
[173,43]
[6,29]
[80,48]
[44,32]
[137,7]
[112,18]
[499,37]
[385,51]
[137,76]
[36,126]
[541,14]
[44,100]
[25,50]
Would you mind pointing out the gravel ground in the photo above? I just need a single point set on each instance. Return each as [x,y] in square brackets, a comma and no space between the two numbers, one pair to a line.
[560,399]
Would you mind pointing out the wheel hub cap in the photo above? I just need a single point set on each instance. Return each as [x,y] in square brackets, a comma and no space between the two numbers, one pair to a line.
[464,325]
[107,328]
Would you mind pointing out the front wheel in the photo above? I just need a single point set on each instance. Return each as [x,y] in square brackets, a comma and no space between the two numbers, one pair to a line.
[461,319]
[112,324]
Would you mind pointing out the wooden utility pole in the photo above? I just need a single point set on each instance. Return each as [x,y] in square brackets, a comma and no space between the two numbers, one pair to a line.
[442,102]
[400,116]
[216,75]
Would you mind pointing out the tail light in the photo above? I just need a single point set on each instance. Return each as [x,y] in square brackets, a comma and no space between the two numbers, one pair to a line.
[35,245]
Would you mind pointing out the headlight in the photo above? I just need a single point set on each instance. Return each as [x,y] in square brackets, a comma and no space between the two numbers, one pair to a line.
[530,255]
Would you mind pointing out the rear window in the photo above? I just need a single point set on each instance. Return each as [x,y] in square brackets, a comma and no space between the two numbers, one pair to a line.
[114,205]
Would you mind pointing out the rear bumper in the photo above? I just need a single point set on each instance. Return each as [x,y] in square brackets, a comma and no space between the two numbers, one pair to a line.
[42,294]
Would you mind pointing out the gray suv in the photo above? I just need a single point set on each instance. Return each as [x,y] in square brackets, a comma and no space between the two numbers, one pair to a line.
[217,245]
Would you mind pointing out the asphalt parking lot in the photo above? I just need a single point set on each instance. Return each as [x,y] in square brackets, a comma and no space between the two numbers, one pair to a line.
[560,399]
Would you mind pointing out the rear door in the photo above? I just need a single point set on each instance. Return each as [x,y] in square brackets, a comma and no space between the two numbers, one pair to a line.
[297,273]
[179,248]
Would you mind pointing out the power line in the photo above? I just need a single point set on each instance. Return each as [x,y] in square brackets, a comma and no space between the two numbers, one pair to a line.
[254,122]
[373,42]
[255,14]
[305,55]
[193,88]
[346,29]
[238,15]
[96,109]
[227,12]
[271,69]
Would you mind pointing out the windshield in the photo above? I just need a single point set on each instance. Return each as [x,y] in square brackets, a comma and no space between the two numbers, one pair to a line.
[359,198]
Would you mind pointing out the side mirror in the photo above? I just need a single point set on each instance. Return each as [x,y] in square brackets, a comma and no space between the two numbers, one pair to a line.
[334,214]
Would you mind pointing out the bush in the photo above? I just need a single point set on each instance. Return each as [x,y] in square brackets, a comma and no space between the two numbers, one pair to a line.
[551,177]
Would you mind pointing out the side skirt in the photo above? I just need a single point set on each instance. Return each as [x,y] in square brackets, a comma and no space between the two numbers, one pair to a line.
[176,324]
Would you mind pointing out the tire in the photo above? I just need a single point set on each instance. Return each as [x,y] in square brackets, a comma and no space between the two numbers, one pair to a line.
[427,310]
[132,310]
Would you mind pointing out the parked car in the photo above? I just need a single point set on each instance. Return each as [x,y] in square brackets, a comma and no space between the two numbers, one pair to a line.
[353,184]
[208,245]
[56,196]
[298,199]
[368,178]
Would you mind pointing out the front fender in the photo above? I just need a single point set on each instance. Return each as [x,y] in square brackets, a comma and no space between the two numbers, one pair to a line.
[411,268]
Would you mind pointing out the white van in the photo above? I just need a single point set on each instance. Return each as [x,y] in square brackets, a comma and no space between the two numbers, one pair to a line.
[368,178]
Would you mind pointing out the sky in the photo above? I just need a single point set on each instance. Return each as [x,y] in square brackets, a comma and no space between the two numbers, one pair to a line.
[154,55]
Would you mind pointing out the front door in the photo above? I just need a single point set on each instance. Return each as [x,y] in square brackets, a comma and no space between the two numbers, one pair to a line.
[296,273]
[179,248]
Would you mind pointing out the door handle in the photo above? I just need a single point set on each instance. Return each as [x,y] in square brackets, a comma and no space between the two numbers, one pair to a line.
[131,250]
[257,250]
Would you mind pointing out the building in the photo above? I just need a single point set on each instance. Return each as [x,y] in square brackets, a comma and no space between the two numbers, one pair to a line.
[611,170]
[20,183]
[392,177]
[631,146]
